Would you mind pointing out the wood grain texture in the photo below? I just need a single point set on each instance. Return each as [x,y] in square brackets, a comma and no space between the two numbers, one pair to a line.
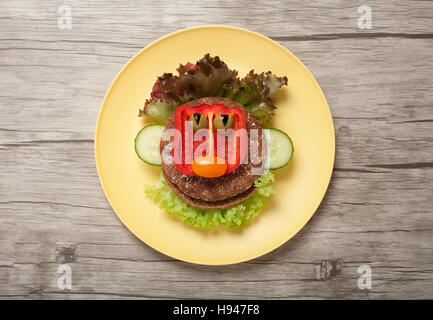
[377,211]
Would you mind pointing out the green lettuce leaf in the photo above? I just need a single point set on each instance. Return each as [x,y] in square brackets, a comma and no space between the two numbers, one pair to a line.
[234,217]
[255,92]
[159,110]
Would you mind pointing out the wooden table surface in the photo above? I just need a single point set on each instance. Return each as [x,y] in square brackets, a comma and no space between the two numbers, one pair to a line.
[377,211]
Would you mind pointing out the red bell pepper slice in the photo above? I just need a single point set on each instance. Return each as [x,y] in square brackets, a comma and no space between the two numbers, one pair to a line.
[229,145]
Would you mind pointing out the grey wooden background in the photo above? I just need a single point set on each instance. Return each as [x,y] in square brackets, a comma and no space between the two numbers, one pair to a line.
[378,209]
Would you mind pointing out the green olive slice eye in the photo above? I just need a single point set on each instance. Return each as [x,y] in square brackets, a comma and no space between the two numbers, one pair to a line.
[198,121]
[223,121]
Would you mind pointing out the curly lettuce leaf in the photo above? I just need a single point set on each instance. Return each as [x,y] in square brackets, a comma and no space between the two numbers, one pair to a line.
[208,75]
[194,81]
[159,110]
[234,217]
[255,92]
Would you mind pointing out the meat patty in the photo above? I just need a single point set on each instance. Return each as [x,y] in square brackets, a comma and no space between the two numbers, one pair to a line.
[200,191]
[220,204]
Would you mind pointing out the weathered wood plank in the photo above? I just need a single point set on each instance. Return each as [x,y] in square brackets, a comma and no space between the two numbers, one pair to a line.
[351,91]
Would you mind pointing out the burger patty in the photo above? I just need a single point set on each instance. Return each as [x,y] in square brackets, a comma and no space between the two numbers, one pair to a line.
[220,204]
[201,191]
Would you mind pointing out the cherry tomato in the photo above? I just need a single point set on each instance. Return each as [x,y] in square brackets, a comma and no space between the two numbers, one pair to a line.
[209,167]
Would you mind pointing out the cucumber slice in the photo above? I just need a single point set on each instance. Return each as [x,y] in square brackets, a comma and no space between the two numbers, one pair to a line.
[280,148]
[147,144]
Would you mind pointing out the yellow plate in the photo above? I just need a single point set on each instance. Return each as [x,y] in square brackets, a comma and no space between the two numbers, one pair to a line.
[302,113]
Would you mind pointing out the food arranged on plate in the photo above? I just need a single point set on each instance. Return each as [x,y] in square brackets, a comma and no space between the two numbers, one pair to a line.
[214,149]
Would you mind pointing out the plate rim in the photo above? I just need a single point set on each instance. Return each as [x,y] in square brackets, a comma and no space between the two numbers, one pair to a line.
[173,34]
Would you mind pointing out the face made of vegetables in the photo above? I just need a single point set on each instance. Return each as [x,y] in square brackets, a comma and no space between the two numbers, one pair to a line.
[211,140]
